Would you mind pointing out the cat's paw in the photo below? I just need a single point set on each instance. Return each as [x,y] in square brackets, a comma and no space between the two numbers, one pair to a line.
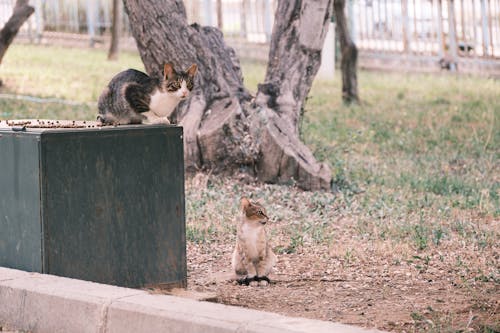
[164,121]
[254,284]
[247,280]
[150,120]
[263,281]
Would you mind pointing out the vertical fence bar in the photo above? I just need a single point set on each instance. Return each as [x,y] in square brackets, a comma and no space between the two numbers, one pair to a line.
[484,25]
[368,27]
[105,23]
[474,27]
[387,41]
[452,35]
[440,29]
[421,23]
[373,41]
[243,18]
[497,18]
[432,36]
[462,21]
[360,22]
[57,11]
[267,20]
[352,25]
[207,4]
[490,18]
[38,21]
[406,27]
[91,21]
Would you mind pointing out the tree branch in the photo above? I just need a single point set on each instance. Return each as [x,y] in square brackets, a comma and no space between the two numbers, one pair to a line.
[22,11]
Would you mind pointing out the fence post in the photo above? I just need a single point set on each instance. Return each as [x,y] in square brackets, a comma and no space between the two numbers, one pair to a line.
[75,24]
[474,28]
[440,29]
[208,12]
[352,21]
[267,20]
[243,19]
[452,35]
[406,26]
[38,21]
[91,21]
[484,22]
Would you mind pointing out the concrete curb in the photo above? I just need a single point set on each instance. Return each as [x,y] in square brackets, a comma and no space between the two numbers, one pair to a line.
[49,304]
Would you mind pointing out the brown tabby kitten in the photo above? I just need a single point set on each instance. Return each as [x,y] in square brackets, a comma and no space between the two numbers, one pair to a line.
[133,97]
[253,257]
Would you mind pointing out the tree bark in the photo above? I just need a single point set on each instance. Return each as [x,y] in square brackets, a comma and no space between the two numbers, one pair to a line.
[349,55]
[22,11]
[115,31]
[224,126]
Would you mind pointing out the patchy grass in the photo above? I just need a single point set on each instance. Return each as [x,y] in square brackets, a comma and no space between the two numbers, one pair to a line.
[416,171]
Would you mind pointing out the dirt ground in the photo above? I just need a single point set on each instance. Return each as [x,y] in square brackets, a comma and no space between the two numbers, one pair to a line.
[371,294]
[384,284]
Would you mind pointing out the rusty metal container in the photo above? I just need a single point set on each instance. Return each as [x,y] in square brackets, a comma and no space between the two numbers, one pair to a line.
[103,204]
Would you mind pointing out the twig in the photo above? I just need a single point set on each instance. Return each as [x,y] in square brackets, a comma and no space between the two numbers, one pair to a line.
[309,280]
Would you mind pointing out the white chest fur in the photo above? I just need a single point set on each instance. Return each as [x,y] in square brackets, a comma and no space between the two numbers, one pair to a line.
[252,235]
[163,103]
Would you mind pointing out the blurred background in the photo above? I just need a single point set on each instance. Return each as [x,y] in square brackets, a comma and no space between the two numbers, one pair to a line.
[390,34]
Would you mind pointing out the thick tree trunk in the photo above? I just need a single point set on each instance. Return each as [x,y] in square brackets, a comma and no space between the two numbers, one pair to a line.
[224,127]
[21,13]
[295,56]
[115,31]
[349,55]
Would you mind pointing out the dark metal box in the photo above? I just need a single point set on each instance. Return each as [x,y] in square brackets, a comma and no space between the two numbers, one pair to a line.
[99,204]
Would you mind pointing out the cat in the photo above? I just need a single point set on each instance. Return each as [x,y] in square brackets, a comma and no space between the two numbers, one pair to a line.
[253,258]
[133,97]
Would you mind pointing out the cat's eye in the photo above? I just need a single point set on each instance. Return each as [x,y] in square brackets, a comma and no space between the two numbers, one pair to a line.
[173,86]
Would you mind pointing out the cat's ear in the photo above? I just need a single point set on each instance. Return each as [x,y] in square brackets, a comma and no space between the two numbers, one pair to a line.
[245,203]
[168,71]
[192,70]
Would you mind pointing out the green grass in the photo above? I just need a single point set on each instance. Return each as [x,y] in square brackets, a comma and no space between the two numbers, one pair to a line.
[419,155]
[72,74]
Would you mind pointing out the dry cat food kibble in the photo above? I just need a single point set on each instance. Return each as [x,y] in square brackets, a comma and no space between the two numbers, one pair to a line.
[44,123]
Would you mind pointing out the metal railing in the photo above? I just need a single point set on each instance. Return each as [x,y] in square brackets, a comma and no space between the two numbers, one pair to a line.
[468,28]
[444,28]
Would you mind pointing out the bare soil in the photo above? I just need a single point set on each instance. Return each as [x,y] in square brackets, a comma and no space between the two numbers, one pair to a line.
[386,284]
[370,294]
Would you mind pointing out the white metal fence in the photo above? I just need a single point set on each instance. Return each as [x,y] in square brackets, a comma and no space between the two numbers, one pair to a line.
[251,20]
[460,28]
[429,27]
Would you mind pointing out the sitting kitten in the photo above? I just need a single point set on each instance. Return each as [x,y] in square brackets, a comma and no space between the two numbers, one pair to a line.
[253,256]
[132,97]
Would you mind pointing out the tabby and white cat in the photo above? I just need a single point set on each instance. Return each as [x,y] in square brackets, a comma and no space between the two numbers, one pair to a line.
[253,258]
[133,97]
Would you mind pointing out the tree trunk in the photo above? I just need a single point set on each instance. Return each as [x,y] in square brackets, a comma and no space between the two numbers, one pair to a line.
[224,127]
[115,31]
[22,11]
[349,55]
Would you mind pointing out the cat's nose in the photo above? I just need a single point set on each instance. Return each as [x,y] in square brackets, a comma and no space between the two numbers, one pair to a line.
[184,94]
